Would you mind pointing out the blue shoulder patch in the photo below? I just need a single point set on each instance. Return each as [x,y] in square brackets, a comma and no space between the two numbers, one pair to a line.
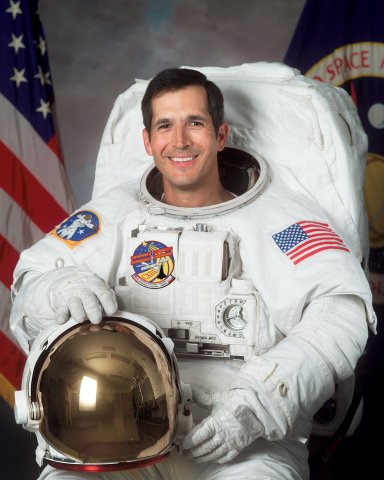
[77,228]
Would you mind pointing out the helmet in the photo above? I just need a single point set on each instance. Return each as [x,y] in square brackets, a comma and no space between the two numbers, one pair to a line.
[101,397]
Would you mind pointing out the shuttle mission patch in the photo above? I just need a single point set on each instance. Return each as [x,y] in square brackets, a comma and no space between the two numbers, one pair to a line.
[153,264]
[77,228]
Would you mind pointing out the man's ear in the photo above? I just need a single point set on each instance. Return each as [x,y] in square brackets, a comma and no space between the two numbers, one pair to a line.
[222,136]
[147,141]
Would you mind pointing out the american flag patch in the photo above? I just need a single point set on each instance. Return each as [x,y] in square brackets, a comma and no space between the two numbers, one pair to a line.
[304,239]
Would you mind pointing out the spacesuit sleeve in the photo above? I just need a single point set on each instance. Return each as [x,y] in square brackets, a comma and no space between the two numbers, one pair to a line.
[293,379]
[29,291]
[31,307]
[26,327]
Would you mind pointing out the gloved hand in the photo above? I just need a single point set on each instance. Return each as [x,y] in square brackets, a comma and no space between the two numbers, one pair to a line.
[231,426]
[81,294]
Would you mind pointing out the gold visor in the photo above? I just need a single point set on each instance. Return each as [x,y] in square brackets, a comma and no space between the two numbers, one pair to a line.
[108,394]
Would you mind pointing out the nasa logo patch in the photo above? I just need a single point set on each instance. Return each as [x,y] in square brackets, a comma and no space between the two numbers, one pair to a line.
[77,228]
[153,264]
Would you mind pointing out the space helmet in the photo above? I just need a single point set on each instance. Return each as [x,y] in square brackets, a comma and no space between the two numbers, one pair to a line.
[102,397]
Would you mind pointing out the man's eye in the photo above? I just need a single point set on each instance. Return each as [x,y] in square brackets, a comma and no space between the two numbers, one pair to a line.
[196,123]
[163,126]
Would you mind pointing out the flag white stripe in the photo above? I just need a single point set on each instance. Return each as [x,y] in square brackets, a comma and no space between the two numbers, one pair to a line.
[15,225]
[34,154]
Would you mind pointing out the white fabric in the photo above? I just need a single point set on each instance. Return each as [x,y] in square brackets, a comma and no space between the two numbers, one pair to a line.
[294,363]
[60,294]
[230,428]
[276,389]
[326,273]
[194,296]
[309,132]
[286,382]
[285,460]
[302,349]
[80,294]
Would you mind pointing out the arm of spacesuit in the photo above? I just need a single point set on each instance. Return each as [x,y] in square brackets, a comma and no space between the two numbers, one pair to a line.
[282,389]
[300,373]
[57,295]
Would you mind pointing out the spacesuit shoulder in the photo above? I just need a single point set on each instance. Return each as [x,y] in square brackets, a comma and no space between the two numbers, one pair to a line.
[86,231]
[296,254]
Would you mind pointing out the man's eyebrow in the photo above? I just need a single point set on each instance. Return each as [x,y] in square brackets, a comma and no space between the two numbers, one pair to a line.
[197,117]
[189,118]
[161,121]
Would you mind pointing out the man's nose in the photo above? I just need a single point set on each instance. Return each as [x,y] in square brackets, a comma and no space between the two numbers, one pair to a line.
[180,137]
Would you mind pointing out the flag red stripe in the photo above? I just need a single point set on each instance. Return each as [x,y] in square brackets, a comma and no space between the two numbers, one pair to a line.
[12,361]
[24,188]
[317,251]
[9,257]
[304,223]
[42,160]
[15,225]
[53,144]
[311,243]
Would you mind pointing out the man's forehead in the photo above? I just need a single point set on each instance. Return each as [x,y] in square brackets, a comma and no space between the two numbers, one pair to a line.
[195,93]
[186,101]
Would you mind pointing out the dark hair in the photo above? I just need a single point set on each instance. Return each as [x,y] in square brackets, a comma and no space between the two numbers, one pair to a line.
[176,79]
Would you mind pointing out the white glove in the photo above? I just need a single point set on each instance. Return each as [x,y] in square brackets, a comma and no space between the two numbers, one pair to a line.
[81,294]
[231,426]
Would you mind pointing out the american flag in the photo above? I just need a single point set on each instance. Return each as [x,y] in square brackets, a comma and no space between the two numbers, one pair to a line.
[34,190]
[304,239]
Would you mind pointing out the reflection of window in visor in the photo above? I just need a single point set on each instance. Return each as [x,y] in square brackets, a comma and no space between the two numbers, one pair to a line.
[108,394]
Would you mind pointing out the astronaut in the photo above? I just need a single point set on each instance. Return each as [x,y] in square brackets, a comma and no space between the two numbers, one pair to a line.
[255,279]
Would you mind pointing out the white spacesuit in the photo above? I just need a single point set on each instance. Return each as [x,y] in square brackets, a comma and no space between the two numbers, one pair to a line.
[264,296]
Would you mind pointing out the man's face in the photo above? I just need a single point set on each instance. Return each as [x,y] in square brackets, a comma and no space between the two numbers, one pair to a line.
[183,141]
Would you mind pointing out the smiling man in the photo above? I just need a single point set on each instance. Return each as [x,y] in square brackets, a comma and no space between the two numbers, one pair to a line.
[183,132]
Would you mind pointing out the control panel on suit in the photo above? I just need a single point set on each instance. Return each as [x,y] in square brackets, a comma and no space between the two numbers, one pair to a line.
[188,281]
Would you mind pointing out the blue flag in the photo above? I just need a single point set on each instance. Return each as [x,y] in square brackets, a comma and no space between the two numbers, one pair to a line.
[342,43]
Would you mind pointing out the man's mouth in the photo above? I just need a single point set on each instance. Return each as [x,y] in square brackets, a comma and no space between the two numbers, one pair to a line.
[181,159]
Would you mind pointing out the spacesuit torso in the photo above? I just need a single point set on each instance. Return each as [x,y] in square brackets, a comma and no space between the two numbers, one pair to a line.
[222,287]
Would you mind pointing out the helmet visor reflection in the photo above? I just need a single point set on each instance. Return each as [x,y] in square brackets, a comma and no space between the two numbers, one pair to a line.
[108,394]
